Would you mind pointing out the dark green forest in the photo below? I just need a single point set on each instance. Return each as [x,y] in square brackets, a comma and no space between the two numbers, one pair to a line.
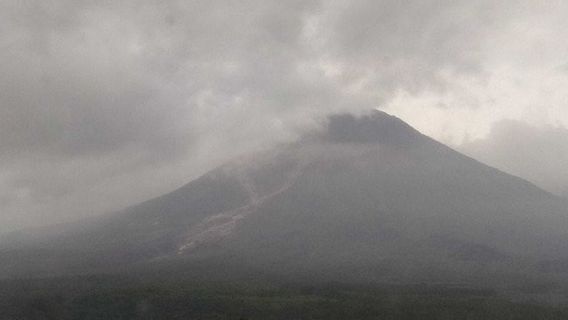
[115,297]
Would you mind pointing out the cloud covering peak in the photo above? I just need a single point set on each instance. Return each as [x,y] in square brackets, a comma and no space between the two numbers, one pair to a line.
[106,103]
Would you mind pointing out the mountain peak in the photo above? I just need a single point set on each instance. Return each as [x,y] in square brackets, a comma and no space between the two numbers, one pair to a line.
[369,199]
[375,127]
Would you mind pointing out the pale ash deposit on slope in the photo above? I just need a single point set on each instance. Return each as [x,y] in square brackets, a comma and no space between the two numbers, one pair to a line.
[221,225]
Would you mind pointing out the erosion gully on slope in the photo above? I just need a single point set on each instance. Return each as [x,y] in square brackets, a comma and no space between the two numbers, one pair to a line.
[219,226]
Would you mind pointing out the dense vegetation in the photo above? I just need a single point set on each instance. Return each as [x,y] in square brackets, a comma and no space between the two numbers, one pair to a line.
[122,298]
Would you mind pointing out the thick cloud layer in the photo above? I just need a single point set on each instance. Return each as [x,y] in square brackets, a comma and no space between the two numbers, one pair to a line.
[106,103]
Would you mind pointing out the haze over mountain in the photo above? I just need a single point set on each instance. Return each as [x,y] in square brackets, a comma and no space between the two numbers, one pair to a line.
[109,103]
[170,159]
[367,198]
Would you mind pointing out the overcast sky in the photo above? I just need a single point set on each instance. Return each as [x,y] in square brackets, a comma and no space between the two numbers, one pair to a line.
[107,103]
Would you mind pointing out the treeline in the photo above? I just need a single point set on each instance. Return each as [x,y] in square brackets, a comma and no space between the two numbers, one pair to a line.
[117,298]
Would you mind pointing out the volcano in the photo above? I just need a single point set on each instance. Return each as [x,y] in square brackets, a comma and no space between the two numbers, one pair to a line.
[366,198]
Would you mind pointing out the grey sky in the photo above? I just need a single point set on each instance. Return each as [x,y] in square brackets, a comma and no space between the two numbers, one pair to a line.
[539,154]
[106,103]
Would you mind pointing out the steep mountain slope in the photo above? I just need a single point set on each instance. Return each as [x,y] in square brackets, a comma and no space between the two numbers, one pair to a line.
[367,199]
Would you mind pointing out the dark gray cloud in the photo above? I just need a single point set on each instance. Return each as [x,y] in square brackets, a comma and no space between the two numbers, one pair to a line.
[106,103]
[539,154]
